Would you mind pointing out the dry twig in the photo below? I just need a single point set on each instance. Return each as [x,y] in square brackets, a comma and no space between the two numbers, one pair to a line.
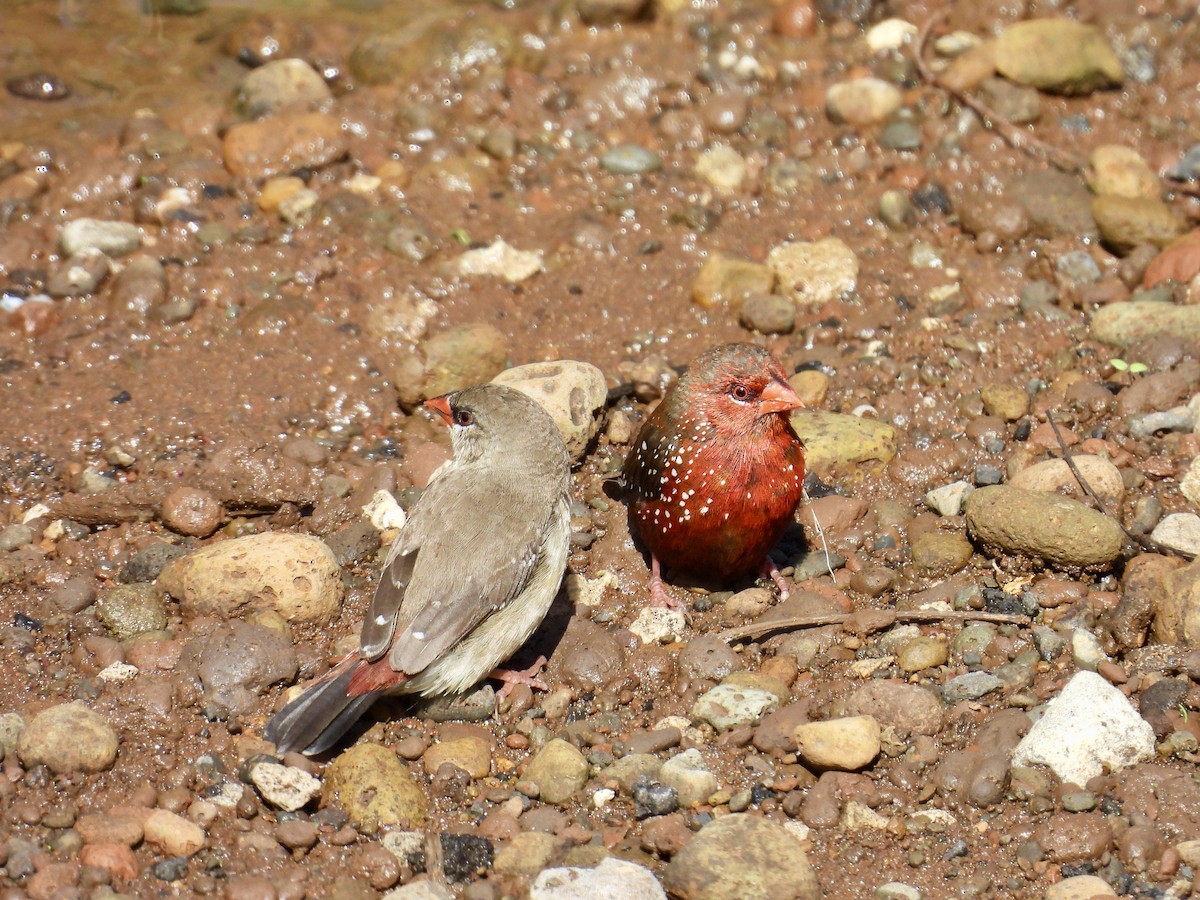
[867,620]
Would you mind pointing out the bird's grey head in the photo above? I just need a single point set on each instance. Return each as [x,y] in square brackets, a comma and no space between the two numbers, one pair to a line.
[493,423]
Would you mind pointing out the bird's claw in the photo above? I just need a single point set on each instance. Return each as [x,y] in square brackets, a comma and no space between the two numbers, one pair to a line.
[770,570]
[513,677]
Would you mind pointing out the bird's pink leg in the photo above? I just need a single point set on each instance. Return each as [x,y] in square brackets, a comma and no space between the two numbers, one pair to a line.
[770,570]
[513,677]
[658,591]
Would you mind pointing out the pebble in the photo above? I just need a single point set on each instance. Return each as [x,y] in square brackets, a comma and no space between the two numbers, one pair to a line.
[845,744]
[900,135]
[462,356]
[652,798]
[296,575]
[612,879]
[1080,887]
[610,12]
[236,662]
[630,159]
[40,85]
[728,280]
[283,143]
[729,706]
[742,856]
[896,210]
[68,738]
[768,314]
[1188,167]
[841,443]
[1125,324]
[500,260]
[1020,105]
[1130,222]
[278,83]
[140,287]
[1189,485]
[814,271]
[1059,55]
[285,787]
[117,859]
[721,168]
[970,686]
[948,499]
[1144,426]
[862,101]
[127,610]
[471,753]
[690,778]
[173,834]
[79,275]
[1088,729]
[890,34]
[573,392]
[941,553]
[113,239]
[655,625]
[529,852]
[375,789]
[1086,650]
[921,653]
[1056,204]
[1179,532]
[1056,529]
[1121,172]
[417,890]
[1054,476]
[558,770]
[628,769]
[907,707]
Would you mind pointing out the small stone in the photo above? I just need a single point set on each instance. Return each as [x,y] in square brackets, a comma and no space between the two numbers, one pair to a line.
[896,210]
[610,12]
[1089,728]
[725,280]
[941,553]
[890,34]
[283,143]
[192,511]
[1086,650]
[816,271]
[173,834]
[375,789]
[612,878]
[1020,105]
[79,275]
[499,260]
[1080,887]
[463,356]
[922,653]
[1124,324]
[1120,171]
[841,443]
[68,738]
[845,744]
[655,625]
[1059,55]
[768,314]
[279,83]
[1008,401]
[128,610]
[1179,532]
[113,239]
[1129,222]
[948,499]
[285,787]
[690,778]
[862,101]
[970,686]
[559,770]
[729,706]
[1055,476]
[722,168]
[630,159]
[472,754]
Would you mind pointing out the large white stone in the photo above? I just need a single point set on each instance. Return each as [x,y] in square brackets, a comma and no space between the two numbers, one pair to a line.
[613,879]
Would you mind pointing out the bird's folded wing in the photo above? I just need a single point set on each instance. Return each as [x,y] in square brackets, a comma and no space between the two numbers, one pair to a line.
[466,557]
[643,468]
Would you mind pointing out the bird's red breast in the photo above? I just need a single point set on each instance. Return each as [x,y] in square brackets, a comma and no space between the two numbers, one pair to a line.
[717,471]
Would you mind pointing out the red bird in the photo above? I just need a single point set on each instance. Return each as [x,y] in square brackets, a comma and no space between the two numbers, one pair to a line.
[716,471]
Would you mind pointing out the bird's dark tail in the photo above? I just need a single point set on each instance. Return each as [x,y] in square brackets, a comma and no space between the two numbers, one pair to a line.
[314,721]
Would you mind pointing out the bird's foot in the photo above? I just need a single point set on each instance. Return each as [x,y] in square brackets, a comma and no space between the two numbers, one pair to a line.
[513,677]
[770,570]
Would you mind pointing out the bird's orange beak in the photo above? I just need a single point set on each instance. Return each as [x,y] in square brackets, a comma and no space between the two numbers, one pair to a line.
[778,397]
[441,406]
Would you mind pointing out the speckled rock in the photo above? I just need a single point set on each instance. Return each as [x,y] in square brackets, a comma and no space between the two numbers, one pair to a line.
[285,787]
[908,707]
[375,789]
[840,443]
[559,770]
[1088,729]
[573,392]
[722,168]
[730,706]
[740,856]
[847,743]
[814,271]
[1124,324]
[500,260]
[1059,55]
[612,879]
[529,852]
[128,610]
[68,738]
[941,552]
[471,753]
[1055,529]
[862,101]
[294,574]
[655,625]
[1008,401]
[1176,602]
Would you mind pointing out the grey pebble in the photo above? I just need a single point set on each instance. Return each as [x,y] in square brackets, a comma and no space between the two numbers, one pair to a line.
[1145,425]
[111,238]
[1078,267]
[1188,167]
[970,686]
[74,594]
[768,314]
[630,159]
[15,536]
[79,275]
[900,135]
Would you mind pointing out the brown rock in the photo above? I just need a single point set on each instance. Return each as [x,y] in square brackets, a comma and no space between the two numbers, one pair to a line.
[1074,837]
[192,511]
[283,143]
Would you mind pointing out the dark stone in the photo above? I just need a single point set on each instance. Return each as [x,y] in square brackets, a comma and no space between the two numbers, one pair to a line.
[148,563]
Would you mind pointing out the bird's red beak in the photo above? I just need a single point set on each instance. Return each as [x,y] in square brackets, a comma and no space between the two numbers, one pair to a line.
[441,406]
[778,396]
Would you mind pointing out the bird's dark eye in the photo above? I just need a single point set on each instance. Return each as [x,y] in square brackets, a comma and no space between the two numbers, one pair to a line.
[740,392]
[463,417]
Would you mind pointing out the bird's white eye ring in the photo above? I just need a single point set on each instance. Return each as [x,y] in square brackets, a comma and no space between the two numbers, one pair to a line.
[463,418]
[740,392]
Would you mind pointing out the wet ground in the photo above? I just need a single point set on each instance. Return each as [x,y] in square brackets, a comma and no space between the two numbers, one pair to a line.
[291,290]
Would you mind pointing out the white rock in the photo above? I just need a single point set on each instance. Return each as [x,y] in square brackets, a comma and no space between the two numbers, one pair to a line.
[1089,728]
[1086,650]
[1179,532]
[500,260]
[613,879]
[589,591]
[722,168]
[118,673]
[285,787]
[847,743]
[655,625]
[1080,887]
[603,797]
[890,34]
[404,845]
[687,773]
[384,512]
[227,795]
[948,499]
[956,43]
[1189,485]
[730,706]
[419,890]
[862,101]
[37,511]
[857,816]
[109,237]
[814,271]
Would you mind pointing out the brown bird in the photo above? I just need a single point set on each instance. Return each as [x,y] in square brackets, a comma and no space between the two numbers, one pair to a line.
[470,577]
[716,471]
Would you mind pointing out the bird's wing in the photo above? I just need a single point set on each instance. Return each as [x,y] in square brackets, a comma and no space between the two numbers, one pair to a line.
[465,557]
[642,473]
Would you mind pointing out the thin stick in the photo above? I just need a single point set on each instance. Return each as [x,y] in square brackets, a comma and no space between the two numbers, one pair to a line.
[820,533]
[1014,136]
[757,630]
